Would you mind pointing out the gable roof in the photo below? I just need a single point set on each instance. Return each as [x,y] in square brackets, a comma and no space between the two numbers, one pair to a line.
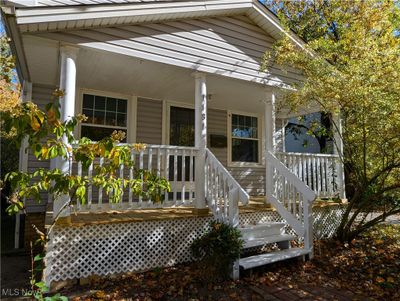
[43,16]
[79,14]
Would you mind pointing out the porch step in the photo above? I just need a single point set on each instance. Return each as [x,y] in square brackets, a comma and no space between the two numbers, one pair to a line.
[262,230]
[258,242]
[267,258]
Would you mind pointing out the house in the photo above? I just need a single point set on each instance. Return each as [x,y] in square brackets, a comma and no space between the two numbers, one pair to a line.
[184,78]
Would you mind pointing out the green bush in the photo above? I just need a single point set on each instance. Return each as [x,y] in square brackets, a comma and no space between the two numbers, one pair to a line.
[217,250]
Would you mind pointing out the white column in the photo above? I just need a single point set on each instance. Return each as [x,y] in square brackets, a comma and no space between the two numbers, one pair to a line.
[68,56]
[23,158]
[200,129]
[338,150]
[269,124]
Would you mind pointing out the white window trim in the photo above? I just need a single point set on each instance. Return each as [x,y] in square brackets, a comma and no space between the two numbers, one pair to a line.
[168,105]
[131,111]
[260,125]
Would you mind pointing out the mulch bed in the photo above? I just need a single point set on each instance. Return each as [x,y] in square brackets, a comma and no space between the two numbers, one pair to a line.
[366,269]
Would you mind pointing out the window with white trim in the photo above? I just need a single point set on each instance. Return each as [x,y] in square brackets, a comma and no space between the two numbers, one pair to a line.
[245,139]
[104,115]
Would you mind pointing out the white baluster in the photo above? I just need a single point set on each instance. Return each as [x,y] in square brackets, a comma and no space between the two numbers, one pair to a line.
[309,172]
[78,203]
[130,192]
[166,170]
[175,175]
[141,168]
[100,204]
[121,176]
[183,191]
[90,187]
[191,177]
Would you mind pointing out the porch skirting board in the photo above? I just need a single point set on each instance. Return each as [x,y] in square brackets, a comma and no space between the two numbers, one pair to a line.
[107,249]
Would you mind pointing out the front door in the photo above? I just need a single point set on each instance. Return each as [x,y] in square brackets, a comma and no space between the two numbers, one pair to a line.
[181,133]
[181,130]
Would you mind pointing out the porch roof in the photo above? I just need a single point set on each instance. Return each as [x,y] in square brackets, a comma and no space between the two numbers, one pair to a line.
[53,18]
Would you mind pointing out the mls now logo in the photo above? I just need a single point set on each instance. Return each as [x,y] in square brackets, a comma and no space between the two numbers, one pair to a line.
[9,292]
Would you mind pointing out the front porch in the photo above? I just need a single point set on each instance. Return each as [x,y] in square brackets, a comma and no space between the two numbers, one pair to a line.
[202,132]
[218,140]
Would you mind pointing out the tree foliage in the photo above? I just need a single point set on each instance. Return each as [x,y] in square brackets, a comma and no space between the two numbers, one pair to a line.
[9,98]
[46,135]
[351,68]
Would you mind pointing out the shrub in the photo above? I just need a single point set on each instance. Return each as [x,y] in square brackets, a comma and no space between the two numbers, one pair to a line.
[217,250]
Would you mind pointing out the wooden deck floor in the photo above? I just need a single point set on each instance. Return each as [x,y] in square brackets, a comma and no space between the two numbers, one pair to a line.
[256,204]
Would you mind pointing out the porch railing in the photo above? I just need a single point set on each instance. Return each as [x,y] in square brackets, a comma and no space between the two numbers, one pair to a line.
[292,198]
[223,192]
[319,171]
[174,163]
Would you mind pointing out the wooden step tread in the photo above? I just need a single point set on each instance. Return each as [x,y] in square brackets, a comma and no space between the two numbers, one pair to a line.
[257,242]
[261,226]
[267,258]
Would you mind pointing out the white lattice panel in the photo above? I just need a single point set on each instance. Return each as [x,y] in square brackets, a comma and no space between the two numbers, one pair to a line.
[327,220]
[78,252]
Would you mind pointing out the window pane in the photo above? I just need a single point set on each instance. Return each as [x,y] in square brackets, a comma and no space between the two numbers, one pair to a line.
[100,103]
[244,150]
[121,119]
[99,117]
[96,133]
[111,118]
[254,122]
[88,101]
[122,106]
[111,104]
[89,115]
[244,126]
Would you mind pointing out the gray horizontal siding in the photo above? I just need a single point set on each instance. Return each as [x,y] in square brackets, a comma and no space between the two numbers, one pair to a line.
[41,95]
[252,179]
[90,2]
[229,46]
[149,121]
[216,125]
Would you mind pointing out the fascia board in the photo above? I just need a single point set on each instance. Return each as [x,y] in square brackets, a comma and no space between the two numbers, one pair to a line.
[60,14]
[17,48]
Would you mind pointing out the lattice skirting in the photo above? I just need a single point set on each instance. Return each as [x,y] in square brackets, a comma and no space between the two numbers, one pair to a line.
[105,249]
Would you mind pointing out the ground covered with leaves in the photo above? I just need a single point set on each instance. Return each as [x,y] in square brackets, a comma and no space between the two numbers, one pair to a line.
[366,269]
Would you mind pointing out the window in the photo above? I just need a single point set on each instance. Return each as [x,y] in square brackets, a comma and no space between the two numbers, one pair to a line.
[105,115]
[245,139]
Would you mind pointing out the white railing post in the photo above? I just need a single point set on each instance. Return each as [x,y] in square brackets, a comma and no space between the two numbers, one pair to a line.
[233,209]
[338,150]
[68,85]
[269,124]
[200,138]
[308,227]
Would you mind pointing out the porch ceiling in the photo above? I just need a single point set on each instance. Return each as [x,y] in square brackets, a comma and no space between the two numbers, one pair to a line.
[109,72]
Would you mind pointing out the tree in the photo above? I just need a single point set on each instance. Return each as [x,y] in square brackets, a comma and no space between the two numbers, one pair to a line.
[9,98]
[352,68]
